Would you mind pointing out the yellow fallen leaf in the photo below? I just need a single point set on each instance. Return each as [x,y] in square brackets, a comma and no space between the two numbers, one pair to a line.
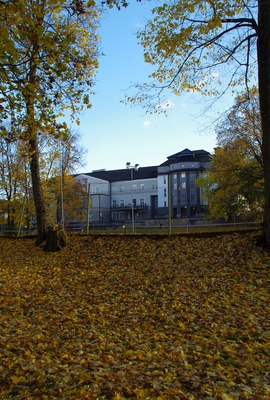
[17,379]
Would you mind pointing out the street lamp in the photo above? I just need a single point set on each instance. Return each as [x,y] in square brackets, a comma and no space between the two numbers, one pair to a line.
[132,167]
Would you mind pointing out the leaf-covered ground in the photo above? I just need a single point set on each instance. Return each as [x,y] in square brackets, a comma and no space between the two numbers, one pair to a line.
[143,317]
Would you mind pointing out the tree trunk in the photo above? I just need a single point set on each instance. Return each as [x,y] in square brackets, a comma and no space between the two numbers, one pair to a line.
[56,240]
[37,190]
[264,96]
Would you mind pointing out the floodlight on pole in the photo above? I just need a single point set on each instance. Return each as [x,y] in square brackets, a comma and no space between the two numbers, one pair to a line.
[132,168]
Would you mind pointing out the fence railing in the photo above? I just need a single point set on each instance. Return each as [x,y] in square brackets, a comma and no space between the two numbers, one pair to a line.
[140,228]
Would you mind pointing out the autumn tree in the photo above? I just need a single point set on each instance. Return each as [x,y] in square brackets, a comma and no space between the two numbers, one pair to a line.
[48,60]
[14,175]
[234,183]
[61,156]
[196,46]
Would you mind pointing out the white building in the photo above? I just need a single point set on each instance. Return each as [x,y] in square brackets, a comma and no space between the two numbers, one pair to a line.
[147,191]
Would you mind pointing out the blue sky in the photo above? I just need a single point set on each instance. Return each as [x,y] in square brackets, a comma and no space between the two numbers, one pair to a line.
[115,133]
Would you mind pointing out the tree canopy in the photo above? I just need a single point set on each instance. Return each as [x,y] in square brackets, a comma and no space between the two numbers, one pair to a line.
[195,46]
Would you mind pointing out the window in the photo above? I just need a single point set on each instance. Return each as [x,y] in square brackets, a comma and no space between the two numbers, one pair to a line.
[164,179]
[122,203]
[174,177]
[183,185]
[114,203]
[175,186]
[133,186]
[141,186]
[183,199]
[121,188]
[114,215]
[122,215]
[193,198]
[192,185]
[183,175]
[142,202]
[165,192]
[165,203]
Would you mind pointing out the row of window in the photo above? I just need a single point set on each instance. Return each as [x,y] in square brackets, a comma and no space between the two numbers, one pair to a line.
[122,203]
[183,199]
[183,186]
[122,216]
[182,176]
[135,186]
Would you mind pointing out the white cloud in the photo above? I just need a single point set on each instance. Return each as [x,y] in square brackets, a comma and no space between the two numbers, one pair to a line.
[146,123]
[166,105]
[208,78]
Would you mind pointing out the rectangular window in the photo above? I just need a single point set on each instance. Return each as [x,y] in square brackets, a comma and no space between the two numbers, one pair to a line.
[183,185]
[165,203]
[134,186]
[122,215]
[142,202]
[193,198]
[192,185]
[114,215]
[122,203]
[141,186]
[183,199]
[121,188]
[138,215]
[164,179]
[114,203]
[175,186]
[165,192]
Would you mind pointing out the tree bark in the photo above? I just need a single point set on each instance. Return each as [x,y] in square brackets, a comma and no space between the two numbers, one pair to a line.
[264,96]
[55,240]
[37,190]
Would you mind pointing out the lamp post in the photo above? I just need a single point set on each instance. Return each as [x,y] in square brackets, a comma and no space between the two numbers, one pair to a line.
[132,167]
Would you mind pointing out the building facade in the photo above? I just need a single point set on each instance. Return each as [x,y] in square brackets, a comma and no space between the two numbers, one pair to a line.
[148,192]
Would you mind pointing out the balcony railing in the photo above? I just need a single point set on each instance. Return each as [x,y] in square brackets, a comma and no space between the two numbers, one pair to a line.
[129,207]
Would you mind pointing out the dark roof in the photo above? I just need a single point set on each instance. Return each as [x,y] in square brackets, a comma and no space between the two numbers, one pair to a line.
[187,155]
[124,174]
